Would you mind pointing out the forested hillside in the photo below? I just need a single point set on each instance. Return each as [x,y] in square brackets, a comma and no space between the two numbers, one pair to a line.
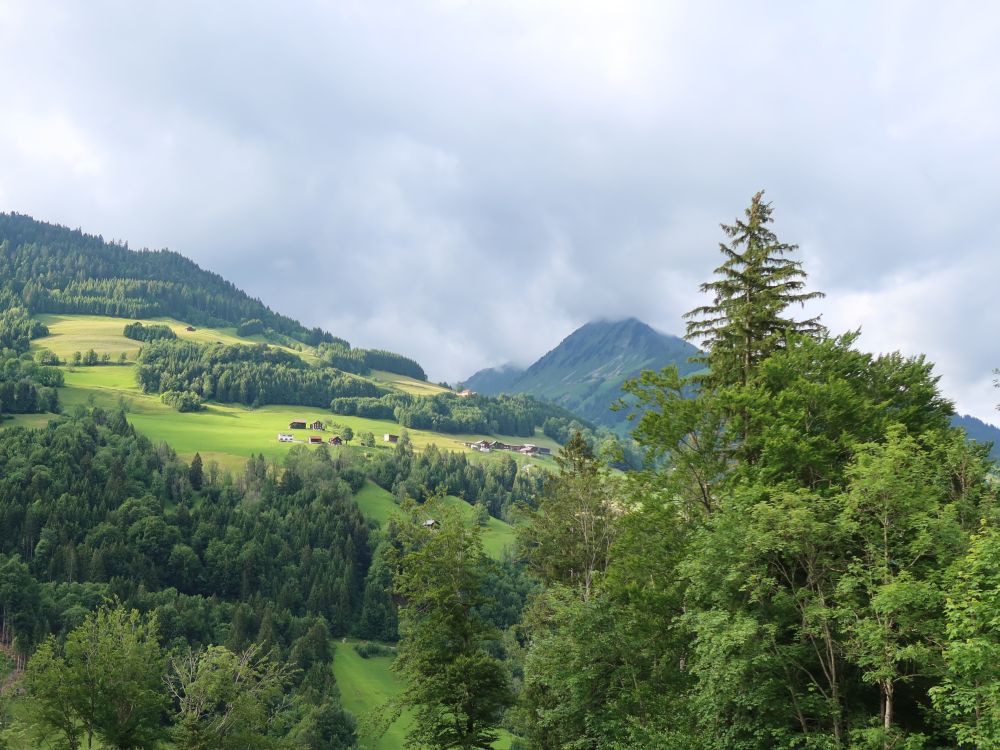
[48,268]
[90,511]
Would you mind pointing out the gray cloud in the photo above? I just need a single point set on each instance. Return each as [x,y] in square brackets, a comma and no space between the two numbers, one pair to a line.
[466,182]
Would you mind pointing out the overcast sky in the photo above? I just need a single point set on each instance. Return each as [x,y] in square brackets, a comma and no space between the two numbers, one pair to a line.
[467,182]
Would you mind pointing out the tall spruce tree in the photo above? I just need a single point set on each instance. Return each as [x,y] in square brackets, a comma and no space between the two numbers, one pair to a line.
[756,283]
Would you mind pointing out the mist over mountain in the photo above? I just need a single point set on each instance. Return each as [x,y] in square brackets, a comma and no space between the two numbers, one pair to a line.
[585,372]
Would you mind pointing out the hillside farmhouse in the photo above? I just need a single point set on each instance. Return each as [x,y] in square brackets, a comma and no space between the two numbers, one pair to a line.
[387,438]
[297,424]
[335,440]
[317,425]
[315,439]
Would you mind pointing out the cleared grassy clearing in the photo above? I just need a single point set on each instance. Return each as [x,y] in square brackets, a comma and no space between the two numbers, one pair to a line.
[378,505]
[365,687]
[78,333]
[375,503]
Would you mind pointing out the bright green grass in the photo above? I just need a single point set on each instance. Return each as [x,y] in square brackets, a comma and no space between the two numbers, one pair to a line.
[230,433]
[365,687]
[375,503]
[78,333]
[226,433]
[407,385]
[378,505]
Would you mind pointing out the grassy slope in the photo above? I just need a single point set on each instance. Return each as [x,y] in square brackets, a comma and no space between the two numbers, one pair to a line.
[78,333]
[365,687]
[378,505]
[227,433]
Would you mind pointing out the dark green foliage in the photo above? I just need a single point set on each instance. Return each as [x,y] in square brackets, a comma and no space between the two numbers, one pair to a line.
[367,650]
[343,357]
[250,327]
[182,401]
[379,618]
[151,332]
[196,474]
[27,385]
[379,359]
[456,688]
[87,500]
[449,413]
[756,284]
[251,375]
[17,329]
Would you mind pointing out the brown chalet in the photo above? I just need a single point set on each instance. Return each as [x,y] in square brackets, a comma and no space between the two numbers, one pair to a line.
[317,425]
[335,440]
[315,439]
[297,424]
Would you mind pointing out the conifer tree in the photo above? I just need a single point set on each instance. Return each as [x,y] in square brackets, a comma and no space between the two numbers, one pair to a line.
[755,284]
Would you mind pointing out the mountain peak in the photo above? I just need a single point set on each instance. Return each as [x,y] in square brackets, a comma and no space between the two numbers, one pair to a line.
[585,372]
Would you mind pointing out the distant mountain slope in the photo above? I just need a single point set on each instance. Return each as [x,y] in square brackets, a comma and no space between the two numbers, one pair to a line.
[494,380]
[49,268]
[585,372]
[980,431]
[54,269]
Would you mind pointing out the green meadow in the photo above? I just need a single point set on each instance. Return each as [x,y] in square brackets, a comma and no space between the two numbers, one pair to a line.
[366,687]
[378,505]
[226,433]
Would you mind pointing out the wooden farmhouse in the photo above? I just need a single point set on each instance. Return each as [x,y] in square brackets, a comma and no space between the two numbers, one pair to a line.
[317,425]
[297,424]
[387,438]
[336,440]
[315,439]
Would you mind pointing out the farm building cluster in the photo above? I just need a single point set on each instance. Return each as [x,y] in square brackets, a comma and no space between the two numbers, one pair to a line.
[301,424]
[486,446]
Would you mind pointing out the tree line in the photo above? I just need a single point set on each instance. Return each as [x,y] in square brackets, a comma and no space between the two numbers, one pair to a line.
[252,375]
[516,414]
[150,332]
